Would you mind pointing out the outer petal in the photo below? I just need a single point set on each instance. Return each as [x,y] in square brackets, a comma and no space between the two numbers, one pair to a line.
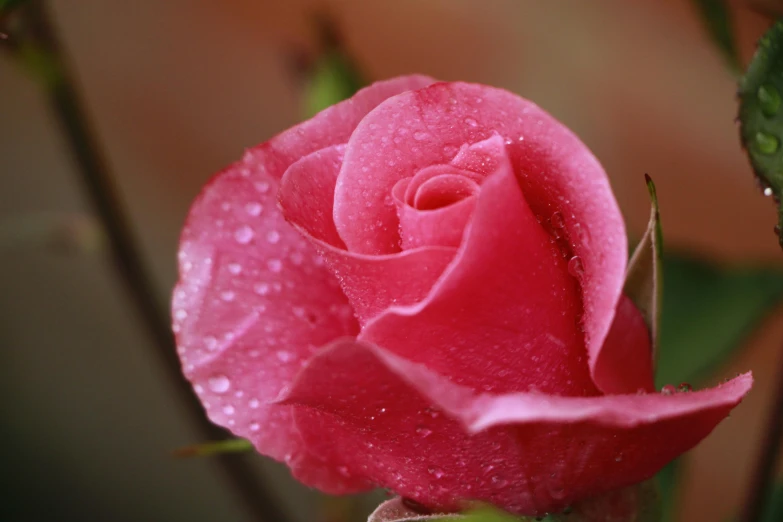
[372,283]
[625,364]
[528,453]
[252,304]
[331,126]
[558,174]
[504,316]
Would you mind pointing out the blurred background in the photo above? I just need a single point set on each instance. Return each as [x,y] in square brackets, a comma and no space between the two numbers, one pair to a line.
[90,411]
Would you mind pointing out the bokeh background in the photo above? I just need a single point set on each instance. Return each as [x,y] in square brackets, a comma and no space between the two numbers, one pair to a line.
[175,90]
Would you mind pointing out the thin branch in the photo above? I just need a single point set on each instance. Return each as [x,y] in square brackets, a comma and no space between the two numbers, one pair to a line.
[127,259]
[764,471]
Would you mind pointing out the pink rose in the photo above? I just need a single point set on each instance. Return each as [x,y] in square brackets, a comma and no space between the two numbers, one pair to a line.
[421,289]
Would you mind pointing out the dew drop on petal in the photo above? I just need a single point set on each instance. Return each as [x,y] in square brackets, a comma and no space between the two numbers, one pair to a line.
[227,296]
[435,472]
[423,431]
[254,426]
[210,343]
[274,265]
[244,234]
[669,389]
[254,209]
[684,387]
[284,356]
[228,409]
[235,268]
[254,403]
[261,288]
[219,383]
[575,267]
[273,236]
[557,220]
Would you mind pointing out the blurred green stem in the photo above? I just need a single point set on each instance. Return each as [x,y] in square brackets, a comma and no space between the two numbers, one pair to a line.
[39,44]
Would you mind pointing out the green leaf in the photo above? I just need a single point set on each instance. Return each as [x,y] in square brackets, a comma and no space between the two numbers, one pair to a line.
[708,312]
[7,5]
[716,17]
[208,449]
[644,278]
[774,509]
[760,115]
[335,76]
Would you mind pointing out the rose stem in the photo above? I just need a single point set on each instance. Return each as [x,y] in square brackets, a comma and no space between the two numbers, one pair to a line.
[127,260]
[764,469]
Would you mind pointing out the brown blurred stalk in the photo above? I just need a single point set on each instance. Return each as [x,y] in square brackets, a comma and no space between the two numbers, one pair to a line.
[39,47]
[762,480]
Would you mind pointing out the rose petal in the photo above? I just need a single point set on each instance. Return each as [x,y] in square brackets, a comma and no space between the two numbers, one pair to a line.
[371,283]
[332,126]
[442,191]
[306,194]
[504,315]
[624,364]
[444,226]
[558,174]
[252,304]
[528,453]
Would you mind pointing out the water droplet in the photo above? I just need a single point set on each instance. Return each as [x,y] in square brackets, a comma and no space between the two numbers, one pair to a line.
[226,206]
[488,468]
[557,220]
[273,236]
[769,99]
[284,356]
[435,472]
[254,426]
[253,208]
[768,191]
[210,343]
[219,383]
[432,412]
[684,387]
[262,186]
[575,267]
[669,389]
[180,314]
[342,470]
[420,136]
[499,481]
[254,403]
[423,431]
[244,234]
[618,458]
[471,122]
[297,258]
[235,268]
[227,296]
[767,143]
[261,288]
[228,409]
[275,265]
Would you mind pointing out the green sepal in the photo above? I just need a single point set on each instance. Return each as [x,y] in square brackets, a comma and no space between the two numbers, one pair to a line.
[644,278]
[220,447]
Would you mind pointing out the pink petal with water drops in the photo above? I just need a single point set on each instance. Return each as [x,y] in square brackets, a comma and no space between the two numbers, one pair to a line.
[372,283]
[332,126]
[561,180]
[504,315]
[253,303]
[528,453]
